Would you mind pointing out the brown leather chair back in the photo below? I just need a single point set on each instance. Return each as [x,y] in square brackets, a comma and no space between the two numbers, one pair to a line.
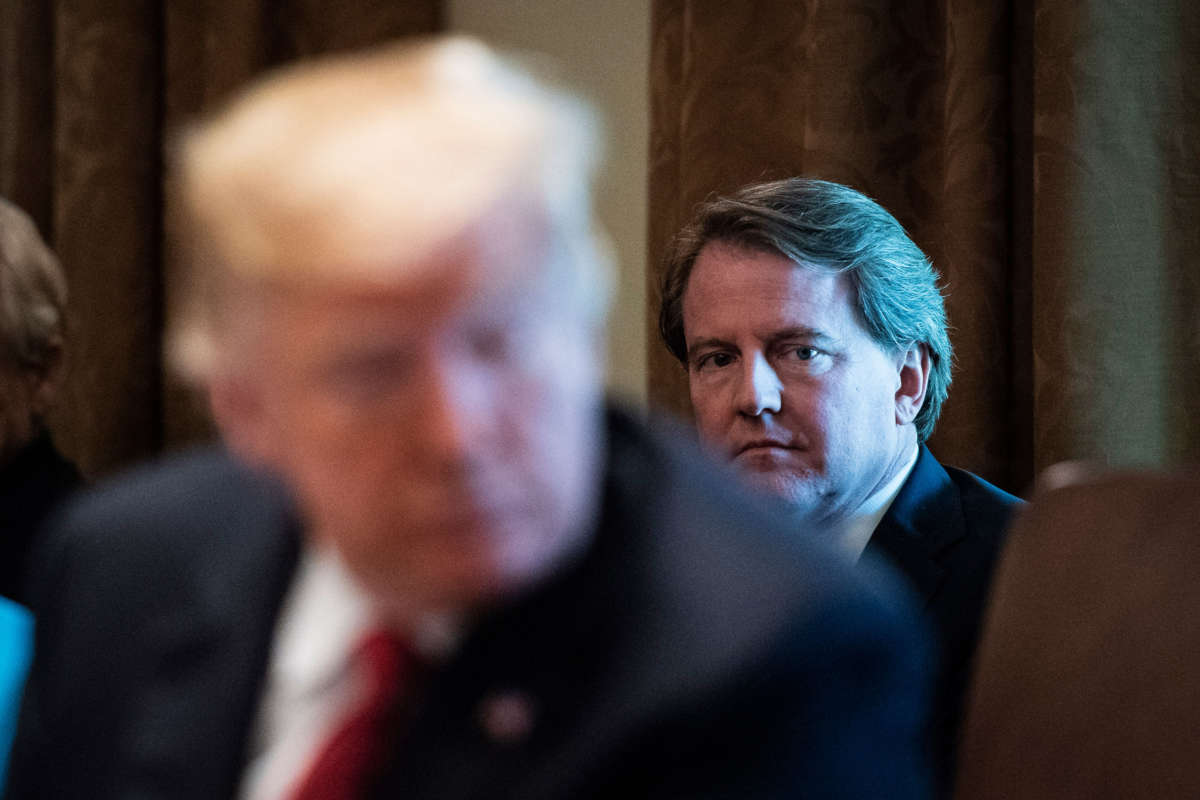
[1087,679]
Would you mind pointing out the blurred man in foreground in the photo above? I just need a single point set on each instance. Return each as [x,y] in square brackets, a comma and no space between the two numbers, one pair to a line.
[486,585]
[814,337]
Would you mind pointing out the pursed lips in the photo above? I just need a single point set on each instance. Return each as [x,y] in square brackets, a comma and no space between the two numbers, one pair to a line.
[762,444]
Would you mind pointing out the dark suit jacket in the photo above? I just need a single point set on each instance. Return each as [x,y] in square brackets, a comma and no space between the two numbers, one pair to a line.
[944,532]
[31,485]
[699,649]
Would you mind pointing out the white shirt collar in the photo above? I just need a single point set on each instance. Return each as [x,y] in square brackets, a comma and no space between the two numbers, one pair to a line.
[857,530]
[309,681]
[327,614]
[323,618]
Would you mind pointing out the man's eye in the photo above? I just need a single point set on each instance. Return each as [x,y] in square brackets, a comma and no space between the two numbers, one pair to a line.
[806,353]
[714,360]
[366,379]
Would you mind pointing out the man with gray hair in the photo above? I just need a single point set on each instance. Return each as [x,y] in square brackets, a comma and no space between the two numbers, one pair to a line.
[429,562]
[814,337]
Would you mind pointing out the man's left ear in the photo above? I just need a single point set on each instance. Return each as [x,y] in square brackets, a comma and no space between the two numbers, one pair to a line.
[913,365]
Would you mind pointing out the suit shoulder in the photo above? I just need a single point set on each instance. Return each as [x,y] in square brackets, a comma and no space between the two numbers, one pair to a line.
[702,535]
[970,483]
[984,504]
[201,489]
[159,524]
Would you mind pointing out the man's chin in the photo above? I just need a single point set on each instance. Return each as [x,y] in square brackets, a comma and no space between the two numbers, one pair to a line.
[799,492]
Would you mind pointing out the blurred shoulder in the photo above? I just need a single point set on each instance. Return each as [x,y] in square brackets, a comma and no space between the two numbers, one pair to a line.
[198,489]
[169,522]
[709,537]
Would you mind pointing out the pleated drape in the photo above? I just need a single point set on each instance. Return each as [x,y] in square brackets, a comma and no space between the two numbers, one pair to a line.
[91,92]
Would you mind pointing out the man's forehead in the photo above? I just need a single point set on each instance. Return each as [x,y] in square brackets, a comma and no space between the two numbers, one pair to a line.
[444,286]
[514,228]
[736,291]
[724,274]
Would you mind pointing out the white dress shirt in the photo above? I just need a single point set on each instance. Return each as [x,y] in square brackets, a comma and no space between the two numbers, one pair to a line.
[309,686]
[857,531]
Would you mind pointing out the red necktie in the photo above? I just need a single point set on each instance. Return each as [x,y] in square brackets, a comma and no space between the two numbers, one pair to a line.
[356,750]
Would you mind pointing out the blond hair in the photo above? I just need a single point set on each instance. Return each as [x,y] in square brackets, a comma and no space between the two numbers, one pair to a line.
[357,167]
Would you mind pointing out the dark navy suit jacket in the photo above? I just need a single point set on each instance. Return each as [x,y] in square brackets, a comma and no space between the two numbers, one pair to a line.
[36,480]
[699,649]
[944,532]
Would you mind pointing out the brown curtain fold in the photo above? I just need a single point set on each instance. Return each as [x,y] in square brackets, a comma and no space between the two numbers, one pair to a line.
[1043,154]
[90,95]
[105,190]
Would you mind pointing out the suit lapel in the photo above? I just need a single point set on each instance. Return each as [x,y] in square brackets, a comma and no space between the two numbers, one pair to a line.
[924,519]
[511,694]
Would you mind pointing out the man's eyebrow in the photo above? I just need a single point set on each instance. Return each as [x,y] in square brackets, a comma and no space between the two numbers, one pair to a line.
[707,343]
[813,335]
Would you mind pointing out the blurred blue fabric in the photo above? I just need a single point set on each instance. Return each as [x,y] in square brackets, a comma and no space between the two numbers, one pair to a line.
[16,650]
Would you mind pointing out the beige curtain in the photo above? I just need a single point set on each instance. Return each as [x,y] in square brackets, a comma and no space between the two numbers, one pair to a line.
[1044,153]
[90,92]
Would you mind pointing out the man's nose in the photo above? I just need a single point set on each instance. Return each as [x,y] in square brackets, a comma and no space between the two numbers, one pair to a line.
[760,391]
[453,415]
